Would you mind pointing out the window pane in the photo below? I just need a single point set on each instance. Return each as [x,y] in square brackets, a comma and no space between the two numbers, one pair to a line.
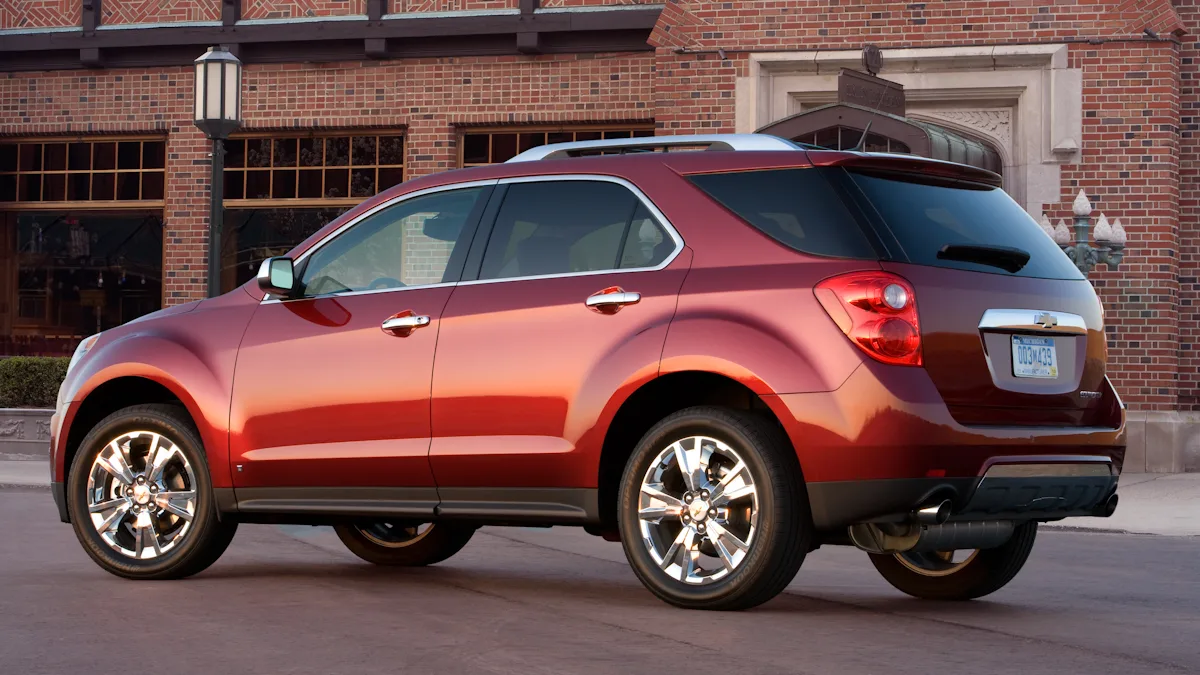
[8,157]
[104,186]
[30,189]
[127,186]
[796,207]
[311,151]
[235,184]
[362,183]
[80,157]
[283,184]
[475,148]
[647,243]
[363,151]
[409,244]
[31,157]
[529,141]
[504,147]
[235,153]
[556,227]
[129,155]
[258,185]
[8,188]
[310,183]
[390,177]
[337,183]
[258,152]
[337,151]
[152,185]
[79,186]
[104,156]
[154,154]
[285,151]
[54,187]
[391,150]
[56,157]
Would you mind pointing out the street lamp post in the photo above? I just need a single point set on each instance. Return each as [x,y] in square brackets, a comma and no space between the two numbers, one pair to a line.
[1110,237]
[217,112]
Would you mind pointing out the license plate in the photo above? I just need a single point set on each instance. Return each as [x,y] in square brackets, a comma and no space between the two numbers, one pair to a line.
[1034,357]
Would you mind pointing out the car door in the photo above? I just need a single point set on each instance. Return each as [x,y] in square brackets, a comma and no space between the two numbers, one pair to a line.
[577,284]
[332,387]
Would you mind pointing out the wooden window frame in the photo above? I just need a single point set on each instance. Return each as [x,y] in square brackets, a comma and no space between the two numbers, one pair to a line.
[314,202]
[464,131]
[88,204]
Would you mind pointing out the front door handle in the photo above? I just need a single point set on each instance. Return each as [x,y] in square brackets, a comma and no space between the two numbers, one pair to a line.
[402,324]
[612,299]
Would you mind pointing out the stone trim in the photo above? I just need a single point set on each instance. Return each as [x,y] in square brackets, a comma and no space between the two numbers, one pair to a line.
[24,433]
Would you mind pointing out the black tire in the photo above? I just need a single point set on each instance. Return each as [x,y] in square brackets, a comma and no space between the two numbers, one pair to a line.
[784,528]
[989,571]
[208,536]
[384,543]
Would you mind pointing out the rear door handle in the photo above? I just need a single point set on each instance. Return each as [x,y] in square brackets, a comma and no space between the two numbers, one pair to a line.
[612,299]
[403,323]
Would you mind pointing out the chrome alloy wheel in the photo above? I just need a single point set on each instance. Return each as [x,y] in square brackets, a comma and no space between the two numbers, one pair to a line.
[937,563]
[394,535]
[697,510]
[141,495]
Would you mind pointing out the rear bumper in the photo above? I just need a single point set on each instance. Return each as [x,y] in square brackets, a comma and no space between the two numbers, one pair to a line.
[885,442]
[842,503]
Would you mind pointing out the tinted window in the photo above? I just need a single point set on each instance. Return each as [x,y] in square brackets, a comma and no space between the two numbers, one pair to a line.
[926,216]
[559,227]
[409,244]
[796,207]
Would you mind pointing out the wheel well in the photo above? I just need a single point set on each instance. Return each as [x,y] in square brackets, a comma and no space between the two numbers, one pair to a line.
[106,400]
[649,404]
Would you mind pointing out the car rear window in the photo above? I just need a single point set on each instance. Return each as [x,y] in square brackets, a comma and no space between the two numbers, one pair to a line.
[926,215]
[799,208]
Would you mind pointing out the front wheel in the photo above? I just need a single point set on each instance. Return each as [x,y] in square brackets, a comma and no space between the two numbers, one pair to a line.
[140,496]
[404,544]
[713,511]
[958,575]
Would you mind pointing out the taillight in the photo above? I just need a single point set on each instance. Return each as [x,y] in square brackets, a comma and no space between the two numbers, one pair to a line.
[878,312]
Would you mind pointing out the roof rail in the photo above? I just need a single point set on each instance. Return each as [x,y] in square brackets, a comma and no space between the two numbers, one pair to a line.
[649,143]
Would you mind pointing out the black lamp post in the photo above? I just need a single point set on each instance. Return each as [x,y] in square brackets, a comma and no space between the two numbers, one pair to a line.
[218,112]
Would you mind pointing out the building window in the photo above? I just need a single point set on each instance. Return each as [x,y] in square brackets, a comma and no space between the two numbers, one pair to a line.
[481,146]
[106,170]
[281,188]
[81,243]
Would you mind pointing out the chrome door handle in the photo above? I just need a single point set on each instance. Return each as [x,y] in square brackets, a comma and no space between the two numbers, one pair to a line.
[612,299]
[404,324]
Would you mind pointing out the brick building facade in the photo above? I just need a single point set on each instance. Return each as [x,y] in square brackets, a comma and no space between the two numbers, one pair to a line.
[1073,95]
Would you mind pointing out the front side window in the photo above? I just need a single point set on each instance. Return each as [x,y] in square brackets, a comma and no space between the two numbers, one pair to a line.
[563,227]
[409,244]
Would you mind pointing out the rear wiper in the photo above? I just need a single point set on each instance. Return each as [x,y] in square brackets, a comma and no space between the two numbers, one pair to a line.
[1004,257]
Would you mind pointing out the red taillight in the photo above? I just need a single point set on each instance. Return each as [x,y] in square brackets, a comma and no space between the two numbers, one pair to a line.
[878,312]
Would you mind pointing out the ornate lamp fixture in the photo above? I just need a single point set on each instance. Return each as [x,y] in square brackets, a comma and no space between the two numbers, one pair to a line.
[1110,237]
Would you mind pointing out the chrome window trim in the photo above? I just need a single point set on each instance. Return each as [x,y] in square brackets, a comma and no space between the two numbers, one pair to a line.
[267,299]
[641,196]
[1024,320]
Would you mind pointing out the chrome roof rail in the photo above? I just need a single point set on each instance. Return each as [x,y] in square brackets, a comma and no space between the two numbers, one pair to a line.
[650,143]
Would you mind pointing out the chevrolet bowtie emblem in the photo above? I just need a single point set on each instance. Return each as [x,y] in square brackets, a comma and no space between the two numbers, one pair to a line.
[1046,320]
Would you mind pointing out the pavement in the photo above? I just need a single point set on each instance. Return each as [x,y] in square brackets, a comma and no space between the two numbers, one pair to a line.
[292,599]
[1166,504]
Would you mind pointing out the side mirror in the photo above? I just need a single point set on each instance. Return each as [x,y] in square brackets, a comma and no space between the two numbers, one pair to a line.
[277,277]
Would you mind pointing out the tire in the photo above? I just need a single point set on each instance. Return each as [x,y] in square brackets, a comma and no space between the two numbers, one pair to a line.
[774,524]
[187,546]
[986,572]
[402,544]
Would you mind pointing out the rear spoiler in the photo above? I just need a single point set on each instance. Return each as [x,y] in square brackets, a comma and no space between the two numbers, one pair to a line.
[903,164]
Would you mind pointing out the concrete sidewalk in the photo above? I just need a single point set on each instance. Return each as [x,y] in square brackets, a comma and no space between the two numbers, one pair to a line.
[1167,504]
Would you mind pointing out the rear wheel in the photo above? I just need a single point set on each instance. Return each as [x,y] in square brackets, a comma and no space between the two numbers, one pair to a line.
[958,575]
[713,512]
[140,497]
[404,544]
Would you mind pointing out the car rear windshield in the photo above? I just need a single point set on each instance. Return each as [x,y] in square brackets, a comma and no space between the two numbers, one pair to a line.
[956,224]
[796,207]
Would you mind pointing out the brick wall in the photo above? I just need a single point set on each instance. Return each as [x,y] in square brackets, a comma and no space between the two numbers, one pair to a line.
[114,12]
[286,9]
[39,13]
[1130,170]
[1189,211]
[429,97]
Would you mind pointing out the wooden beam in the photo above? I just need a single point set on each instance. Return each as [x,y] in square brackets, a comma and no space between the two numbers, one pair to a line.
[90,16]
[376,9]
[89,57]
[375,48]
[231,12]
[529,43]
[528,7]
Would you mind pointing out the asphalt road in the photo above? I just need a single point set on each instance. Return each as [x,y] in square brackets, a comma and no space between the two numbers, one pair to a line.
[292,600]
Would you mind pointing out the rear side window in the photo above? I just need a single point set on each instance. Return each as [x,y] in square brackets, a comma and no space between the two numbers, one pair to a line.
[564,227]
[926,216]
[799,208]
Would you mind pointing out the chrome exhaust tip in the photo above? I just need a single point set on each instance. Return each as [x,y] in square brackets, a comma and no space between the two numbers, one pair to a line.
[1108,507]
[935,514]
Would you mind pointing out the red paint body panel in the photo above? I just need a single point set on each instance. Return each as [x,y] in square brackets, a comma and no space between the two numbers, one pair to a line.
[324,397]
[189,349]
[527,376]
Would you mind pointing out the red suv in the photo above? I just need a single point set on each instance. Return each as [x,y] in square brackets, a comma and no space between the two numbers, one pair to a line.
[722,359]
